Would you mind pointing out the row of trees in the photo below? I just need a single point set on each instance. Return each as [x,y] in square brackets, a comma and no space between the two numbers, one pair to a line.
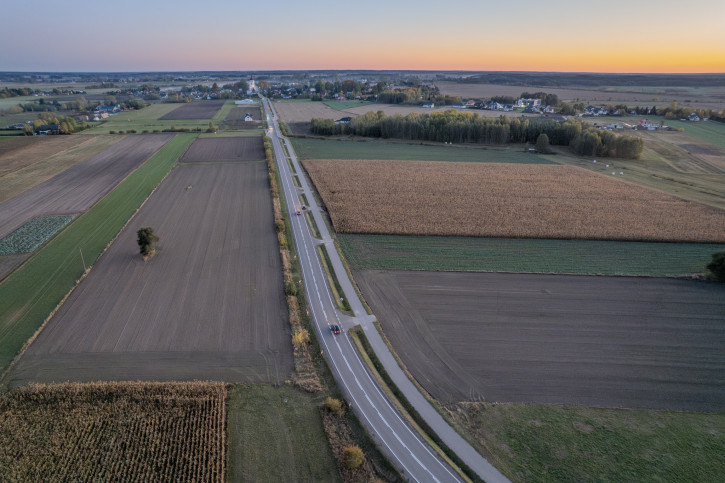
[6,92]
[466,127]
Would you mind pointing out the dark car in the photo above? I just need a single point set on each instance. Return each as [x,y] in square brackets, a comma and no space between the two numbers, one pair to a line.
[335,329]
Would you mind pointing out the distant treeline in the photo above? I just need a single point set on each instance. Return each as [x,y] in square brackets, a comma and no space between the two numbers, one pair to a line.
[416,95]
[558,79]
[16,92]
[463,127]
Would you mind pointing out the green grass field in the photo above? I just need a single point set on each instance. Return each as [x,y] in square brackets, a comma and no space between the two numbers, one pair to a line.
[334,149]
[276,434]
[558,443]
[389,252]
[340,105]
[711,132]
[29,294]
[146,119]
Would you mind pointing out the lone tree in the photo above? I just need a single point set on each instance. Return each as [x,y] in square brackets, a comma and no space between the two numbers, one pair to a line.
[146,240]
[717,266]
[542,144]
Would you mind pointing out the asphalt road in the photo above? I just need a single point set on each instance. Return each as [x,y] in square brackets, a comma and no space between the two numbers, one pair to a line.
[402,445]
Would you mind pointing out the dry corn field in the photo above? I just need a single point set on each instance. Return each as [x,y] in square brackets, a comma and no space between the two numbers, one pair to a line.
[113,432]
[504,200]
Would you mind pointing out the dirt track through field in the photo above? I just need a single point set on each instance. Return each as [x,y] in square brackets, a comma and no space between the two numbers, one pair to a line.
[194,110]
[79,187]
[556,339]
[208,306]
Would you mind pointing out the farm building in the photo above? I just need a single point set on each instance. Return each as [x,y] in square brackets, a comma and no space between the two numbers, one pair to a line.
[248,117]
[245,101]
[428,105]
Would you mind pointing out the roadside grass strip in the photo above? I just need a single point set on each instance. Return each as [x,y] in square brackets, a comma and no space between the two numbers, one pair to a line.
[30,294]
[342,302]
[407,409]
[591,257]
[32,234]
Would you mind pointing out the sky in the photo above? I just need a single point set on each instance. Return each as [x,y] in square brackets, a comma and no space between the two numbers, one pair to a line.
[478,35]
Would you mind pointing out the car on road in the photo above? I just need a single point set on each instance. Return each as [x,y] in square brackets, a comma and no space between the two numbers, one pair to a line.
[335,329]
[299,212]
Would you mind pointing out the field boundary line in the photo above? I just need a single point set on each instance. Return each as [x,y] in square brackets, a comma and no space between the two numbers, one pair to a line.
[45,322]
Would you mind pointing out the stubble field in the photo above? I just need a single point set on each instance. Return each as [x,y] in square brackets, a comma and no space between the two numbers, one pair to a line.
[194,110]
[33,163]
[209,305]
[19,152]
[114,432]
[556,339]
[504,200]
[212,150]
[77,188]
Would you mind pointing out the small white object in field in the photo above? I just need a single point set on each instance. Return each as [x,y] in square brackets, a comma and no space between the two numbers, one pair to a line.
[613,173]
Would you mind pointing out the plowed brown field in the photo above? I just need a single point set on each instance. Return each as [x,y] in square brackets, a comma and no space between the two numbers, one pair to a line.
[231,149]
[504,200]
[208,306]
[556,339]
[77,188]
[194,110]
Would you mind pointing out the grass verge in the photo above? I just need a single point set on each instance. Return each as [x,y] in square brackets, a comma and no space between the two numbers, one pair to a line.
[530,442]
[31,293]
[590,257]
[312,374]
[276,434]
[430,435]
[342,302]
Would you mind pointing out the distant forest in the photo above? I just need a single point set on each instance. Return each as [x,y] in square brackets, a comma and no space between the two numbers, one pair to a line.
[561,79]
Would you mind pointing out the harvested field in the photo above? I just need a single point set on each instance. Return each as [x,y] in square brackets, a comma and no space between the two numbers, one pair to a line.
[556,339]
[208,306]
[32,166]
[504,200]
[114,432]
[304,111]
[194,110]
[17,153]
[77,188]
[224,150]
